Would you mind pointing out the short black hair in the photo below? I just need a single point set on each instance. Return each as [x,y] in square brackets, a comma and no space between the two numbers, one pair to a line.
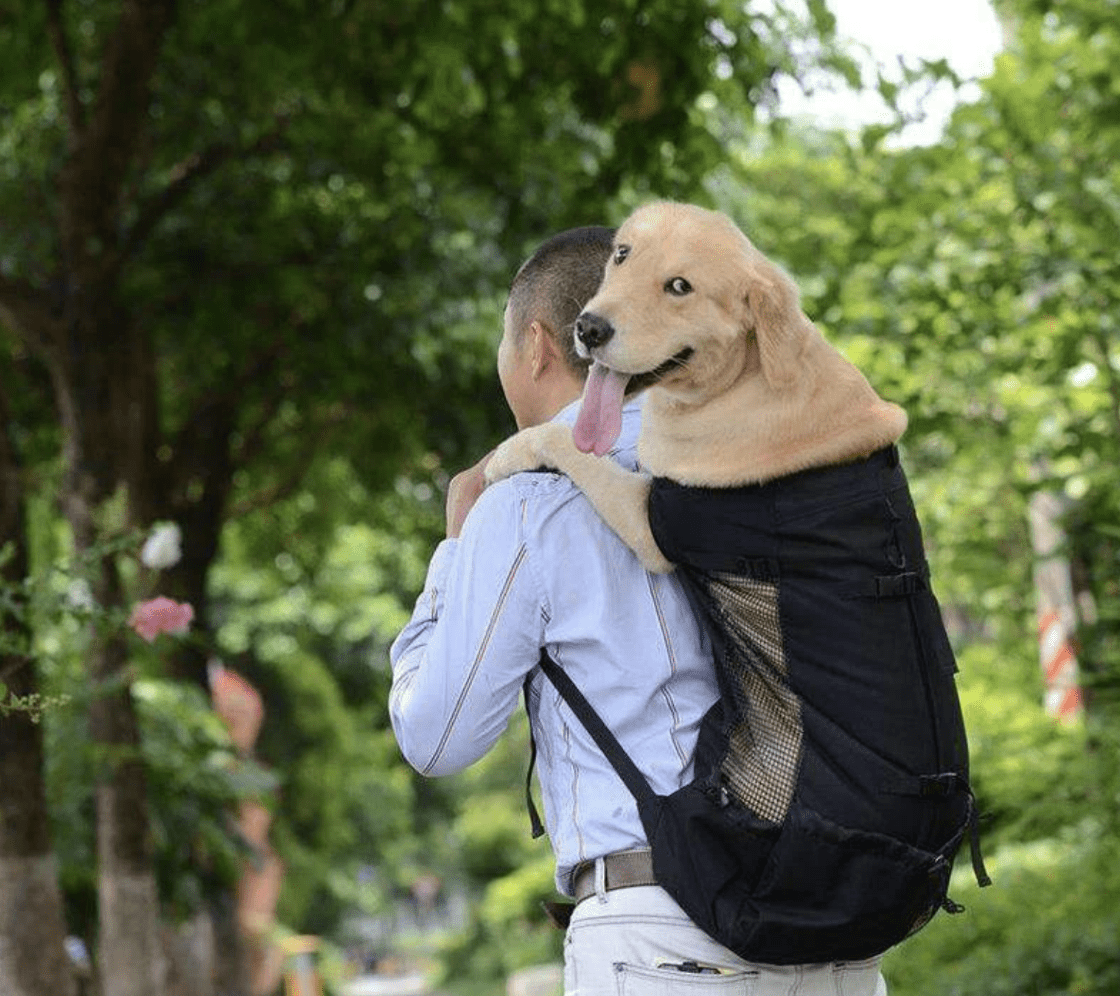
[555,283]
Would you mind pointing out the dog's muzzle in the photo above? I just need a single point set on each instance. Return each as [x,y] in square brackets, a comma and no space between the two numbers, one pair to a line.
[593,330]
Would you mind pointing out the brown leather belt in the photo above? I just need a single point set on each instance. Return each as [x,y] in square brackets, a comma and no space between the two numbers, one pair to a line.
[624,870]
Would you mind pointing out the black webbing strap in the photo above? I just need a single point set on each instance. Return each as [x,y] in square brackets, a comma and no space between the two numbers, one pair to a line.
[633,779]
[941,786]
[982,877]
[606,741]
[535,824]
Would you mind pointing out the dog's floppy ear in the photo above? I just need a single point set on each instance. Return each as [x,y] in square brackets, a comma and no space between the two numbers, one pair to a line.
[773,313]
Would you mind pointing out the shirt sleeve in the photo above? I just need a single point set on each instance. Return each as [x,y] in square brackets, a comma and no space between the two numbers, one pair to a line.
[476,631]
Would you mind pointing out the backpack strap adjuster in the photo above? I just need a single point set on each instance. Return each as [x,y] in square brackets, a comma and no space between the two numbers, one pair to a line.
[894,585]
[888,585]
[938,786]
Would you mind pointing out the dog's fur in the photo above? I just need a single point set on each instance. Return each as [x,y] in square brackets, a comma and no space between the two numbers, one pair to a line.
[761,394]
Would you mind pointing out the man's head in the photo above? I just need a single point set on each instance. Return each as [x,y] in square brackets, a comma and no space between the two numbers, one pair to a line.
[538,365]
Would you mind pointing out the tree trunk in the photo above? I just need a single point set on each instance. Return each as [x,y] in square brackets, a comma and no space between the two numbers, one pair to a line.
[98,403]
[204,456]
[33,958]
[189,957]
[130,954]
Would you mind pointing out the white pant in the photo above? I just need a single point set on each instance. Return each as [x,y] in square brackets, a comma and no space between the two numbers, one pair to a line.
[629,942]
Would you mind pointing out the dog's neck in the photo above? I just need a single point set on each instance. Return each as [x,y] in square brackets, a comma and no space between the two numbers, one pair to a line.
[752,433]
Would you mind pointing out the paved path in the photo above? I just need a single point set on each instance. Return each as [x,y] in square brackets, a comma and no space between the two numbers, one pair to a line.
[537,980]
[388,985]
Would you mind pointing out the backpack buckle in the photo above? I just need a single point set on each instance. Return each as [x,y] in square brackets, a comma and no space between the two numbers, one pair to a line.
[937,786]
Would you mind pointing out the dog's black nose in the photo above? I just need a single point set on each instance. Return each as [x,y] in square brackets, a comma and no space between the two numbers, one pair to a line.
[593,330]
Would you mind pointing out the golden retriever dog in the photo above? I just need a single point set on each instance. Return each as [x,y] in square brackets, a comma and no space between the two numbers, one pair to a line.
[743,388]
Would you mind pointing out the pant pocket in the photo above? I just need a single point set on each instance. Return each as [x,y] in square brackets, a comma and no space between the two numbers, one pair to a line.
[859,978]
[666,980]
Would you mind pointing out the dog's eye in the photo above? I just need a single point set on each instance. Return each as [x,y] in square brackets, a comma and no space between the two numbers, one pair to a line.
[678,286]
[620,254]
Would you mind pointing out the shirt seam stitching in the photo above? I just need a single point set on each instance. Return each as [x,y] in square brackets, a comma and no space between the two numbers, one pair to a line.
[477,663]
[670,654]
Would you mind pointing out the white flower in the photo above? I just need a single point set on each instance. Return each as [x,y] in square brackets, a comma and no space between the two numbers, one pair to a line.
[161,549]
[79,596]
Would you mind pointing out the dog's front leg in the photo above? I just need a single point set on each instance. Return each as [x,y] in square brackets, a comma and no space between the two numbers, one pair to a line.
[620,497]
[530,449]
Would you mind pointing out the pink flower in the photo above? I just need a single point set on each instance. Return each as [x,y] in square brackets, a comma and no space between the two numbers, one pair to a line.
[160,615]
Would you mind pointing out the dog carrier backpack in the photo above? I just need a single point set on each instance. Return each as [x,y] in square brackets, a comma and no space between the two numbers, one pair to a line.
[830,791]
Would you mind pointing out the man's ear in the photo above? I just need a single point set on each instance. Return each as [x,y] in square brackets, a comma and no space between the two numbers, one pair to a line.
[543,349]
[773,313]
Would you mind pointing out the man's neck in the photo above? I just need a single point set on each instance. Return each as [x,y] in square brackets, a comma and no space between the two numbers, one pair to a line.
[555,401]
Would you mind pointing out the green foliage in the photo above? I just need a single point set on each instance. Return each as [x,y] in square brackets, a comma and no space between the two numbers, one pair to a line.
[58,596]
[508,930]
[33,704]
[309,591]
[493,838]
[1032,776]
[507,872]
[195,782]
[1049,926]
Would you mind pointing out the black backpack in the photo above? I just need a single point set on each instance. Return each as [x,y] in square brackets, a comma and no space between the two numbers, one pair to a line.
[830,791]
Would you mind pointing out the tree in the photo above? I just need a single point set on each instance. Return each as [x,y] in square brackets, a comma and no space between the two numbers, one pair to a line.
[30,899]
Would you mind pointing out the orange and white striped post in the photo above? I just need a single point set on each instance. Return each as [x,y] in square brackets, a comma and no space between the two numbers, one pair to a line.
[1059,667]
[1057,609]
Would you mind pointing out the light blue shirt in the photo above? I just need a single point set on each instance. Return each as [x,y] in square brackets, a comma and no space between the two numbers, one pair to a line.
[536,567]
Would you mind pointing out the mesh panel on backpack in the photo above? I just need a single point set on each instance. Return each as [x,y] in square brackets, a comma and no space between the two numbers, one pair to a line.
[763,753]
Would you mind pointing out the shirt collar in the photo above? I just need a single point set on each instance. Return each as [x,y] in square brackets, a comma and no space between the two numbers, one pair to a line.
[631,419]
[568,414]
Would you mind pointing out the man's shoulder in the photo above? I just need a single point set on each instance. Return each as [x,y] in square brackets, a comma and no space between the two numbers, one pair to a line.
[539,501]
[531,485]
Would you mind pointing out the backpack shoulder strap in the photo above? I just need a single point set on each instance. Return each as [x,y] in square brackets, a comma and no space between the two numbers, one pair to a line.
[606,741]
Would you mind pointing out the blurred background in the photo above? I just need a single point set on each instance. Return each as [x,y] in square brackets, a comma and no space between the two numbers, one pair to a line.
[253,258]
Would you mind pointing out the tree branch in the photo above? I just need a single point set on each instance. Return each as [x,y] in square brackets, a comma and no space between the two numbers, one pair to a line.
[91,182]
[252,438]
[257,370]
[1112,377]
[13,664]
[186,175]
[301,463]
[26,313]
[75,112]
[13,530]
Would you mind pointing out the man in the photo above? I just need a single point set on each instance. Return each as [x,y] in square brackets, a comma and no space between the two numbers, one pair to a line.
[530,567]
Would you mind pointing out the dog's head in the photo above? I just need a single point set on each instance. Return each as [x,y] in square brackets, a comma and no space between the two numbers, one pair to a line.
[689,303]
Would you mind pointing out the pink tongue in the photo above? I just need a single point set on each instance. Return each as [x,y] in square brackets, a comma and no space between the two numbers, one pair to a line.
[600,414]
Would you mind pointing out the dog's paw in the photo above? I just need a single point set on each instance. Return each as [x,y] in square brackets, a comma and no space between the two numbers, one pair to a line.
[528,450]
